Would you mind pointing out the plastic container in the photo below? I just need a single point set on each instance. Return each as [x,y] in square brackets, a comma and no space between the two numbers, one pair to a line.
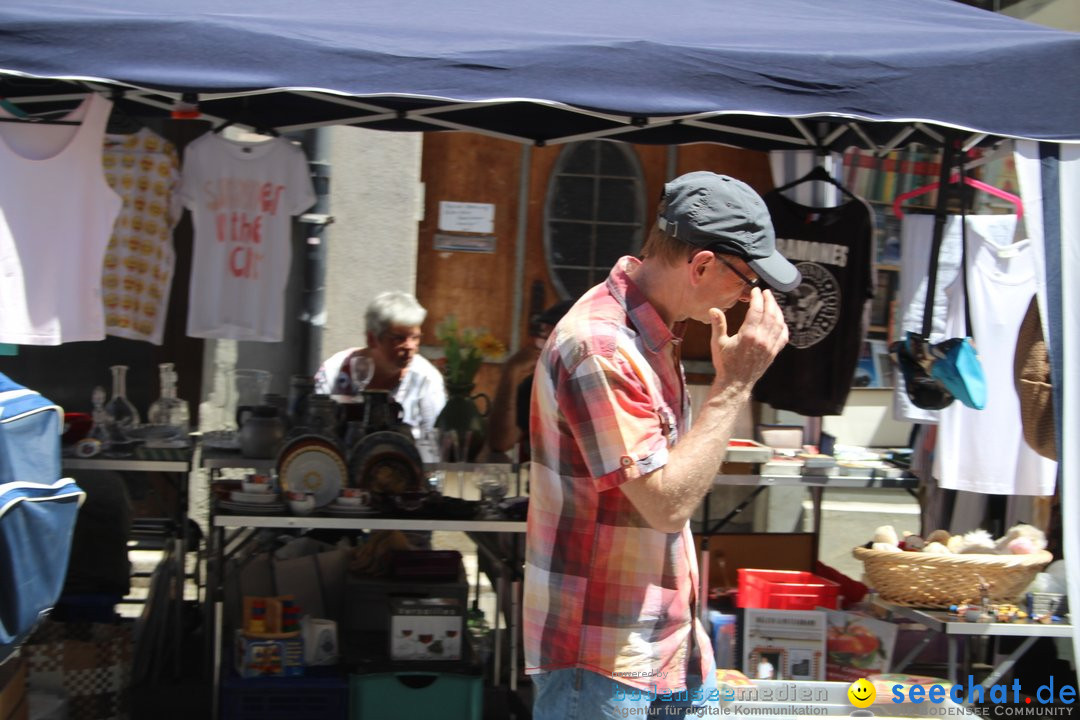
[785,590]
[316,696]
[413,695]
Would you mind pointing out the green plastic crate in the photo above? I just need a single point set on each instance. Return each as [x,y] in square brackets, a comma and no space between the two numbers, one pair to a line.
[412,695]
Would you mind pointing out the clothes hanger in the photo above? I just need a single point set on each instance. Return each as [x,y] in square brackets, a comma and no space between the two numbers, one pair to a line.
[18,115]
[817,174]
[953,179]
[257,127]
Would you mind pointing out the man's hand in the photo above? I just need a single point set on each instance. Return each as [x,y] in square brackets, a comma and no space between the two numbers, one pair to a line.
[743,358]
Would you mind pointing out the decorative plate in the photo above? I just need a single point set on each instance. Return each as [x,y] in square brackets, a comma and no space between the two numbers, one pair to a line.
[312,464]
[386,462]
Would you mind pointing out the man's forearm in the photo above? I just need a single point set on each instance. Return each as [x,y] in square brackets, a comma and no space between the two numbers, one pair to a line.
[669,496]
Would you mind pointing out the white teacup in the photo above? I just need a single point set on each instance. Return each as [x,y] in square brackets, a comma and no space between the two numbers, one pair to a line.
[301,503]
[257,483]
[354,497]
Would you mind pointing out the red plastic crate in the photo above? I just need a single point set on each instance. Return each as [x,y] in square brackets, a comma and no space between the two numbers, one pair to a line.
[785,590]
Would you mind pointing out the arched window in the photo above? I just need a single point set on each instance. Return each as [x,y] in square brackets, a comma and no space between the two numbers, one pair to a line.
[595,213]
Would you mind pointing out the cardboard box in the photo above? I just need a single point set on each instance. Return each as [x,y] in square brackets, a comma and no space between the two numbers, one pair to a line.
[12,686]
[858,646]
[259,657]
[426,628]
[784,644]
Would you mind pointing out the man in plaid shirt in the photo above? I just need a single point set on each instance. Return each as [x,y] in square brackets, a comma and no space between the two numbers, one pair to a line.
[610,618]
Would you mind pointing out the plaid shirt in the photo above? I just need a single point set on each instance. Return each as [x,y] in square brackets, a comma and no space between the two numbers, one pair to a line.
[603,590]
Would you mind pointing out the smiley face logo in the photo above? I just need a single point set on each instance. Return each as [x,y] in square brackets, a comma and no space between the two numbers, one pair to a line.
[862,693]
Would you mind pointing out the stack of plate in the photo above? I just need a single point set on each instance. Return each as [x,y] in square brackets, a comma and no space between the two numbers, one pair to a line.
[340,510]
[252,503]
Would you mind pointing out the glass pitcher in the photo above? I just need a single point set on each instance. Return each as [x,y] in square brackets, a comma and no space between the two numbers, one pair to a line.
[245,389]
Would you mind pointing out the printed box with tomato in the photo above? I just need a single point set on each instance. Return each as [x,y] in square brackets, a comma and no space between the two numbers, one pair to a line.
[857,646]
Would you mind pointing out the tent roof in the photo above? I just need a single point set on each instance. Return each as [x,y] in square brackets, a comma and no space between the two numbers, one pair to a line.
[739,71]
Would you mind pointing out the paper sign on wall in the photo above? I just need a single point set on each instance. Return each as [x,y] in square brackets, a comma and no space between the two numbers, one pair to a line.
[466,217]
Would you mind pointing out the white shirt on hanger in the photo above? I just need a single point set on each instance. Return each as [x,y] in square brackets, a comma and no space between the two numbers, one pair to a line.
[56,215]
[984,450]
[242,196]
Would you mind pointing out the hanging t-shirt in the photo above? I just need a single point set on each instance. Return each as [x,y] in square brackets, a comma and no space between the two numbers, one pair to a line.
[144,169]
[242,196]
[916,239]
[984,450]
[56,215]
[826,314]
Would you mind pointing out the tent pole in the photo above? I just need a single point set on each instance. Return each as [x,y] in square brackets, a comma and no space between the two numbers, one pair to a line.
[519,246]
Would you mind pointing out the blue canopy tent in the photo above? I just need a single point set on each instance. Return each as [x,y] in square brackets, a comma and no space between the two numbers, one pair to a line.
[760,74]
[763,74]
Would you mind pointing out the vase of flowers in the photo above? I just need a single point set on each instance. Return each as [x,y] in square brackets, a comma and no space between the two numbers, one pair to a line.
[464,350]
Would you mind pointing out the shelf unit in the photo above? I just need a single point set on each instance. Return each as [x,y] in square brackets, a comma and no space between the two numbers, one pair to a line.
[174,529]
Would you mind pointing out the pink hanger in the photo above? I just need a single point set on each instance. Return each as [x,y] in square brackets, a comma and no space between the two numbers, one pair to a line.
[996,192]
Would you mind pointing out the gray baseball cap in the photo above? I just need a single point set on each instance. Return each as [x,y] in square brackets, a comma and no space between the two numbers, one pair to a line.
[720,213]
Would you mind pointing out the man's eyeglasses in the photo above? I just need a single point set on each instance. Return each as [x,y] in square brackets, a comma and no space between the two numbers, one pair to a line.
[750,284]
[401,338]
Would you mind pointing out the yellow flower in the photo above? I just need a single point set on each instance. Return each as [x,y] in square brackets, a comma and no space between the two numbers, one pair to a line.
[464,350]
[489,345]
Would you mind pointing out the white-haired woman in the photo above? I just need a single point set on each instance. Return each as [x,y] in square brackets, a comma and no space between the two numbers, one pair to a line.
[392,325]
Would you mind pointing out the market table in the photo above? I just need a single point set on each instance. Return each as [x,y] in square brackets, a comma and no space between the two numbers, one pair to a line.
[958,631]
[475,528]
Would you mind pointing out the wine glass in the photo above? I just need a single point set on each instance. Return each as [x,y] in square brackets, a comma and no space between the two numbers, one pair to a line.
[361,370]
[493,487]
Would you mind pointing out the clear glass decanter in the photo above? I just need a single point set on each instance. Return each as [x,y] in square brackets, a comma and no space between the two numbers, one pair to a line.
[168,409]
[124,414]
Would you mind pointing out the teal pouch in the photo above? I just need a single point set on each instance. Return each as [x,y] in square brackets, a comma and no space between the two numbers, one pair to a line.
[956,365]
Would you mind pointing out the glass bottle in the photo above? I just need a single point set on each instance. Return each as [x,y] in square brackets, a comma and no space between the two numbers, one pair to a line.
[101,429]
[124,414]
[168,409]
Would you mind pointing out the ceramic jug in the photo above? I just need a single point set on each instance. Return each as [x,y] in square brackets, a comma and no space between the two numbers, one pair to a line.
[248,387]
[300,389]
[262,433]
[322,415]
[381,412]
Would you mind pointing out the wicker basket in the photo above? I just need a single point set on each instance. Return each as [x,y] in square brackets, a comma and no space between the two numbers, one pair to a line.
[938,581]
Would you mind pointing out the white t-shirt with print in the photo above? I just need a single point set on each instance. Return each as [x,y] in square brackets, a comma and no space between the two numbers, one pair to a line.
[242,196]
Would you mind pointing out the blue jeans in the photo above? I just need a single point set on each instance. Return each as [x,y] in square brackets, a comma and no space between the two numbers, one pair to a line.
[575,694]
